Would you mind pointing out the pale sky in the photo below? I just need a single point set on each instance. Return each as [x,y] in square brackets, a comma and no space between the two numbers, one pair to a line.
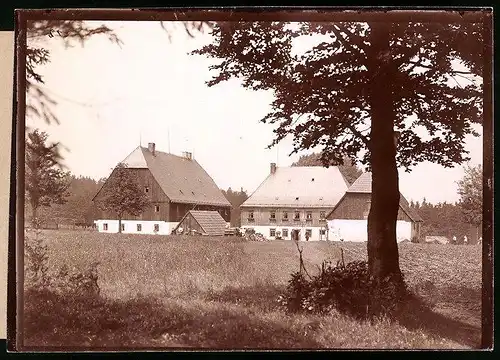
[111,98]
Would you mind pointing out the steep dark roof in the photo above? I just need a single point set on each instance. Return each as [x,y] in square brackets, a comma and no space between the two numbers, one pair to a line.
[183,180]
[363,185]
[211,222]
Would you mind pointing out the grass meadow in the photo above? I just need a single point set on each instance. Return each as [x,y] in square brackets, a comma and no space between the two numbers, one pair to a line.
[221,293]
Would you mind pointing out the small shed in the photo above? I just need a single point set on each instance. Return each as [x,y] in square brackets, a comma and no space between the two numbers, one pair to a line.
[203,222]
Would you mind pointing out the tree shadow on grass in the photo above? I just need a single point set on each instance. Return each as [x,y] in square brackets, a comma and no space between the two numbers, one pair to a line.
[72,322]
[417,314]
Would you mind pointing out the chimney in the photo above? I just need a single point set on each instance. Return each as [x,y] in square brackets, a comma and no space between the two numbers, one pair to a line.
[273,168]
[151,148]
[187,155]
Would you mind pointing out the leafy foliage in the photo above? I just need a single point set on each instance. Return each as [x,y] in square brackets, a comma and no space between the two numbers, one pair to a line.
[122,194]
[346,288]
[78,208]
[46,183]
[470,189]
[348,168]
[322,96]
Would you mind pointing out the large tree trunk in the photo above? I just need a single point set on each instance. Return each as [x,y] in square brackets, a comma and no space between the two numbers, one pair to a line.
[383,256]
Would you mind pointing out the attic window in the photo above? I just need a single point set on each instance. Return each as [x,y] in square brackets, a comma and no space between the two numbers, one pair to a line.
[297,198]
[312,179]
[321,198]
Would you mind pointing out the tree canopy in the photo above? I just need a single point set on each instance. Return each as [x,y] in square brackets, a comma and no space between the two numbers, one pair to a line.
[121,194]
[470,189]
[348,169]
[45,182]
[322,96]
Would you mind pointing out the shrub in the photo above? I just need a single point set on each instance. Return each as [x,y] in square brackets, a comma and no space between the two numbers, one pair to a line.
[64,281]
[346,288]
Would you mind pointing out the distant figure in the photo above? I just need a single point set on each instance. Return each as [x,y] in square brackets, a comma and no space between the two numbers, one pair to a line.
[454,241]
[465,239]
[307,236]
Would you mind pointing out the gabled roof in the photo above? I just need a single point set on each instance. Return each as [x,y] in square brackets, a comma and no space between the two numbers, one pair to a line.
[300,186]
[363,185]
[183,180]
[211,222]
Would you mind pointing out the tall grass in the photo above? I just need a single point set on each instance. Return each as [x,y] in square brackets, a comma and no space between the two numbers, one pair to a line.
[203,292]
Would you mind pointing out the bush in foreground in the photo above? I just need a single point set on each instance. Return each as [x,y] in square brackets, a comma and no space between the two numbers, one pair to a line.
[346,288]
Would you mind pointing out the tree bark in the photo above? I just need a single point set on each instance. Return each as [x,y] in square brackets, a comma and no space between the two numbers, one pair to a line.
[383,256]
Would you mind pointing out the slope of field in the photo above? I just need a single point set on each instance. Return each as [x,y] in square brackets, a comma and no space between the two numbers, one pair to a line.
[230,283]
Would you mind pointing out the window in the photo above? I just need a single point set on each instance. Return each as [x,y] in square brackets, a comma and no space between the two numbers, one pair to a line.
[146,189]
[250,216]
[272,232]
[272,216]
[322,231]
[123,227]
[322,215]
[285,216]
[309,216]
[139,227]
[296,216]
[157,208]
[105,227]
[157,227]
[308,232]
[285,233]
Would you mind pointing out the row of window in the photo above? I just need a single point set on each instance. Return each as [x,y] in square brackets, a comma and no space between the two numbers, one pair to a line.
[284,216]
[138,227]
[284,232]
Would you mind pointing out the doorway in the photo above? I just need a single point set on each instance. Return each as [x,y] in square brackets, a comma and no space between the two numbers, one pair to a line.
[296,235]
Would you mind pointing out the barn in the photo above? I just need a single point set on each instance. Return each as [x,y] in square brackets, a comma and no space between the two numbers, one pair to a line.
[348,221]
[197,222]
[174,185]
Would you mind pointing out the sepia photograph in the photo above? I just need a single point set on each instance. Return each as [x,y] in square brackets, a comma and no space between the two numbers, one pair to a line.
[264,179]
